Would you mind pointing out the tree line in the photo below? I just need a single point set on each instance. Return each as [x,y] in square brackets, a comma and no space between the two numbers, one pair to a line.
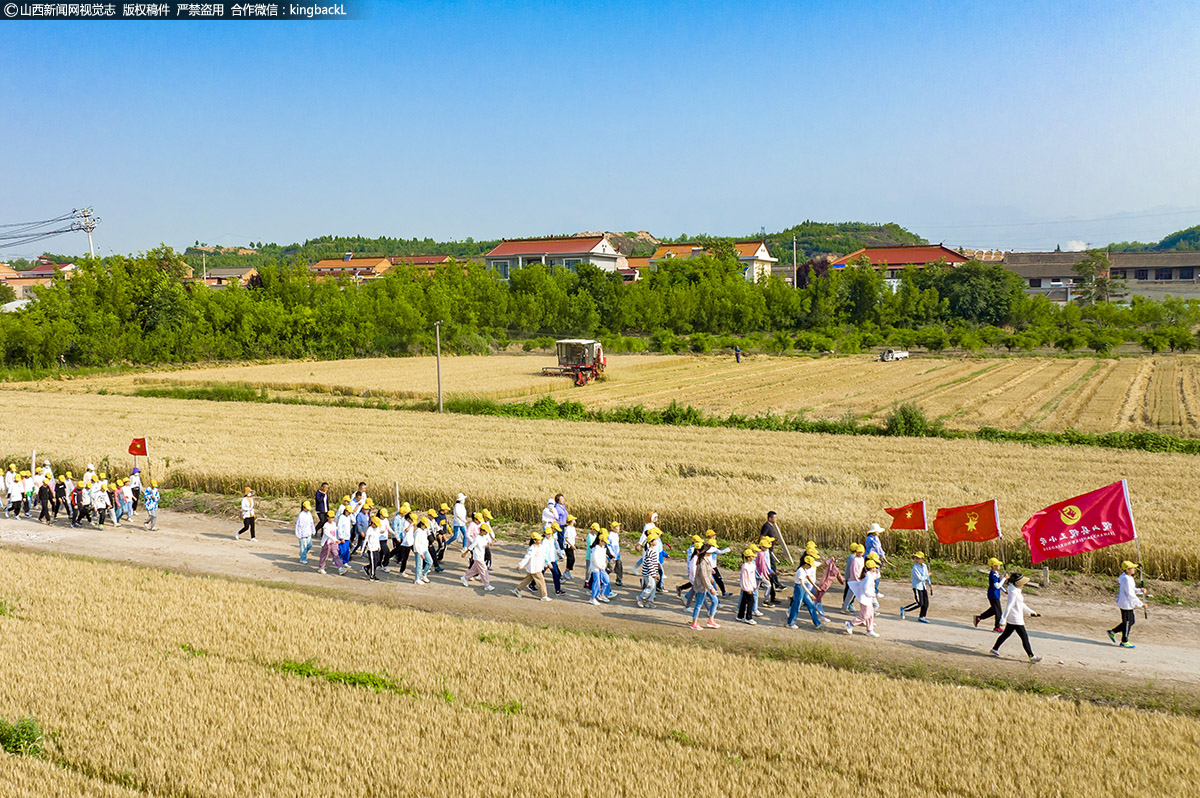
[142,310]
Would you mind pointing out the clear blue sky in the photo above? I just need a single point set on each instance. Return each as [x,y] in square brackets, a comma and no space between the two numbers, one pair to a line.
[967,122]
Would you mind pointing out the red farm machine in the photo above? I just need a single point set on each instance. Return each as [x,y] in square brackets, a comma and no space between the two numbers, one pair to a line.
[578,358]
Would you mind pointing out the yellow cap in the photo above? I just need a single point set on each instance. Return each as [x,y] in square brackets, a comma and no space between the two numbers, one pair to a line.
[345,500]
[653,534]
[154,483]
[595,526]
[697,540]
[1125,566]
[445,508]
[871,564]
[383,513]
[485,527]
[812,544]
[487,513]
[556,527]
[920,555]
[808,560]
[536,536]
[603,535]
[748,553]
[476,516]
[69,475]
[570,518]
[994,563]
[614,524]
[404,508]
[307,505]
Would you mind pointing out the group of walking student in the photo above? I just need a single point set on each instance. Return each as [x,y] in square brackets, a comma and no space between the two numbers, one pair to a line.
[92,500]
[413,542]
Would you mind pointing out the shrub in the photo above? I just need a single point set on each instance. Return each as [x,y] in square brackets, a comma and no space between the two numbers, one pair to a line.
[909,421]
[23,738]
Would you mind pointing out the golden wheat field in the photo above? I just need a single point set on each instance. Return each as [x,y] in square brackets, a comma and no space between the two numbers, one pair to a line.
[1033,393]
[827,487]
[176,686]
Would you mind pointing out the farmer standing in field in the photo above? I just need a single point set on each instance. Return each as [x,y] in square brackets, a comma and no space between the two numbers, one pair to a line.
[247,516]
[1014,616]
[1127,601]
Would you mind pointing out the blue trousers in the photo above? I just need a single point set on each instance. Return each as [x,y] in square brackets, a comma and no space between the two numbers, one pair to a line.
[800,597]
[600,584]
[711,599]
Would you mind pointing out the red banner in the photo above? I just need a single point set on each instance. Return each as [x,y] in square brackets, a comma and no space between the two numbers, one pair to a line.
[1085,523]
[974,523]
[138,447]
[910,516]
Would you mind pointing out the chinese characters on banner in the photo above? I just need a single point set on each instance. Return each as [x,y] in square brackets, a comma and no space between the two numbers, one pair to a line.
[1081,524]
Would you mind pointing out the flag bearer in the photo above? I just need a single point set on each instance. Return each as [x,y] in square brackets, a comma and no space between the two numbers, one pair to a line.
[1128,600]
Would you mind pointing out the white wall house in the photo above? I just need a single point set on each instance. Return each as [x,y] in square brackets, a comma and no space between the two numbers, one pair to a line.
[566,252]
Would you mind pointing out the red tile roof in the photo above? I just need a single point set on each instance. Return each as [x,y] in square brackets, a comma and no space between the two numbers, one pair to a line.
[915,255]
[420,260]
[570,245]
[745,249]
[638,263]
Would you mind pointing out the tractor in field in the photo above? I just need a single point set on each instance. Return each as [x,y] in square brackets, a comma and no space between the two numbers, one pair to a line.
[579,358]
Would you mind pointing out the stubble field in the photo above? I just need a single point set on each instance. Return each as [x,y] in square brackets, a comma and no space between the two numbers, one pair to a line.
[167,685]
[1028,393]
[826,487]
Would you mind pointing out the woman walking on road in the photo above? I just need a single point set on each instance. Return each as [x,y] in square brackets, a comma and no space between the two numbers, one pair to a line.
[921,588]
[995,588]
[1127,601]
[1014,616]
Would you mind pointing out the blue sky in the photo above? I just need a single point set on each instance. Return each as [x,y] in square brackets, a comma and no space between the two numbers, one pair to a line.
[1018,125]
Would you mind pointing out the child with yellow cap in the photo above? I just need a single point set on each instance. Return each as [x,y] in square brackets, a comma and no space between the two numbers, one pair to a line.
[854,569]
[650,569]
[748,582]
[1128,600]
[921,588]
[705,588]
[865,591]
[306,527]
[804,593]
[598,560]
[995,588]
[247,516]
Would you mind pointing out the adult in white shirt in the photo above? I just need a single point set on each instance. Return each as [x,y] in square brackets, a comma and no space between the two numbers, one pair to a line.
[1014,616]
[532,565]
[550,513]
[459,520]
[247,516]
[135,484]
[306,527]
[1128,600]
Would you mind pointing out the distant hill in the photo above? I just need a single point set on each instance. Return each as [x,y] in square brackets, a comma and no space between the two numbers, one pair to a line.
[842,238]
[1182,241]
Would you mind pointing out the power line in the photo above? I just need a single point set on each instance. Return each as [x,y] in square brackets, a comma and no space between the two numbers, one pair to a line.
[20,233]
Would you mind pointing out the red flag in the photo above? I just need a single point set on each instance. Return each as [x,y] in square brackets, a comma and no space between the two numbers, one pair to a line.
[973,522]
[138,447]
[910,516]
[1085,523]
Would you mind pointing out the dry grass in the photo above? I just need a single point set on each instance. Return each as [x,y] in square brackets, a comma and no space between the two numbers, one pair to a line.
[826,487]
[165,683]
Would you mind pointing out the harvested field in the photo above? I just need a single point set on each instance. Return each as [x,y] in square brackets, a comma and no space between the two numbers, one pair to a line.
[174,685]
[825,486]
[1038,393]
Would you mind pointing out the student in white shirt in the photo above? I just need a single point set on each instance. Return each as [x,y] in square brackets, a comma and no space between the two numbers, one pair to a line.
[371,548]
[569,536]
[420,548]
[1127,601]
[329,544]
[532,565]
[459,521]
[1014,616]
[478,551]
[345,529]
[247,516]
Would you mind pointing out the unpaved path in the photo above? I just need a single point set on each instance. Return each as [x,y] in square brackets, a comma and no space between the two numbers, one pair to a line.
[1070,635]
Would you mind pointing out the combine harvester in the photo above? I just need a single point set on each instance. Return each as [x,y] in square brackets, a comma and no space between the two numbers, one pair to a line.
[578,358]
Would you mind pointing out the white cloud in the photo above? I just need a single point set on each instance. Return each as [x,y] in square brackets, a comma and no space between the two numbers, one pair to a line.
[1075,246]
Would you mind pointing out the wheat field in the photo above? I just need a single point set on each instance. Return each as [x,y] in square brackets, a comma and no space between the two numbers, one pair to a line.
[1159,393]
[172,686]
[826,487]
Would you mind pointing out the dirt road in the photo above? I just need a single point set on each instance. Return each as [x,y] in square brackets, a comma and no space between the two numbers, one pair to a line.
[1070,635]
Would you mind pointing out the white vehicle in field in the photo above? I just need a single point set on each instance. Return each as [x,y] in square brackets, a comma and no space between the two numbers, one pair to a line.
[893,354]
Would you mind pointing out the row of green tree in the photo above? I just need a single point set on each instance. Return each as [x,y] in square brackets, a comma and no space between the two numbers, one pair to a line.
[142,310]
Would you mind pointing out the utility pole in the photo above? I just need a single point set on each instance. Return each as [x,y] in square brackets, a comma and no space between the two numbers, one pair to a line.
[86,220]
[794,275]
[437,330]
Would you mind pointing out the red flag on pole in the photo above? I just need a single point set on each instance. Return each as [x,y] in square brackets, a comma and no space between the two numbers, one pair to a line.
[1084,523]
[973,522]
[910,516]
[138,447]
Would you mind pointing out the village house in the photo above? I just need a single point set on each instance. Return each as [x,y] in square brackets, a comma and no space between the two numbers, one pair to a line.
[756,260]
[565,251]
[227,276]
[1150,274]
[42,273]
[350,267]
[892,261]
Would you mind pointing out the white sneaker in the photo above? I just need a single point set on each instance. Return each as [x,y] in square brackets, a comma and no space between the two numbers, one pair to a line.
[465,582]
[752,622]
[387,570]
[605,599]
[490,587]
[792,626]
[594,603]
[424,580]
[849,628]
[640,603]
[320,570]
[546,598]
[758,614]
[516,592]
[873,634]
